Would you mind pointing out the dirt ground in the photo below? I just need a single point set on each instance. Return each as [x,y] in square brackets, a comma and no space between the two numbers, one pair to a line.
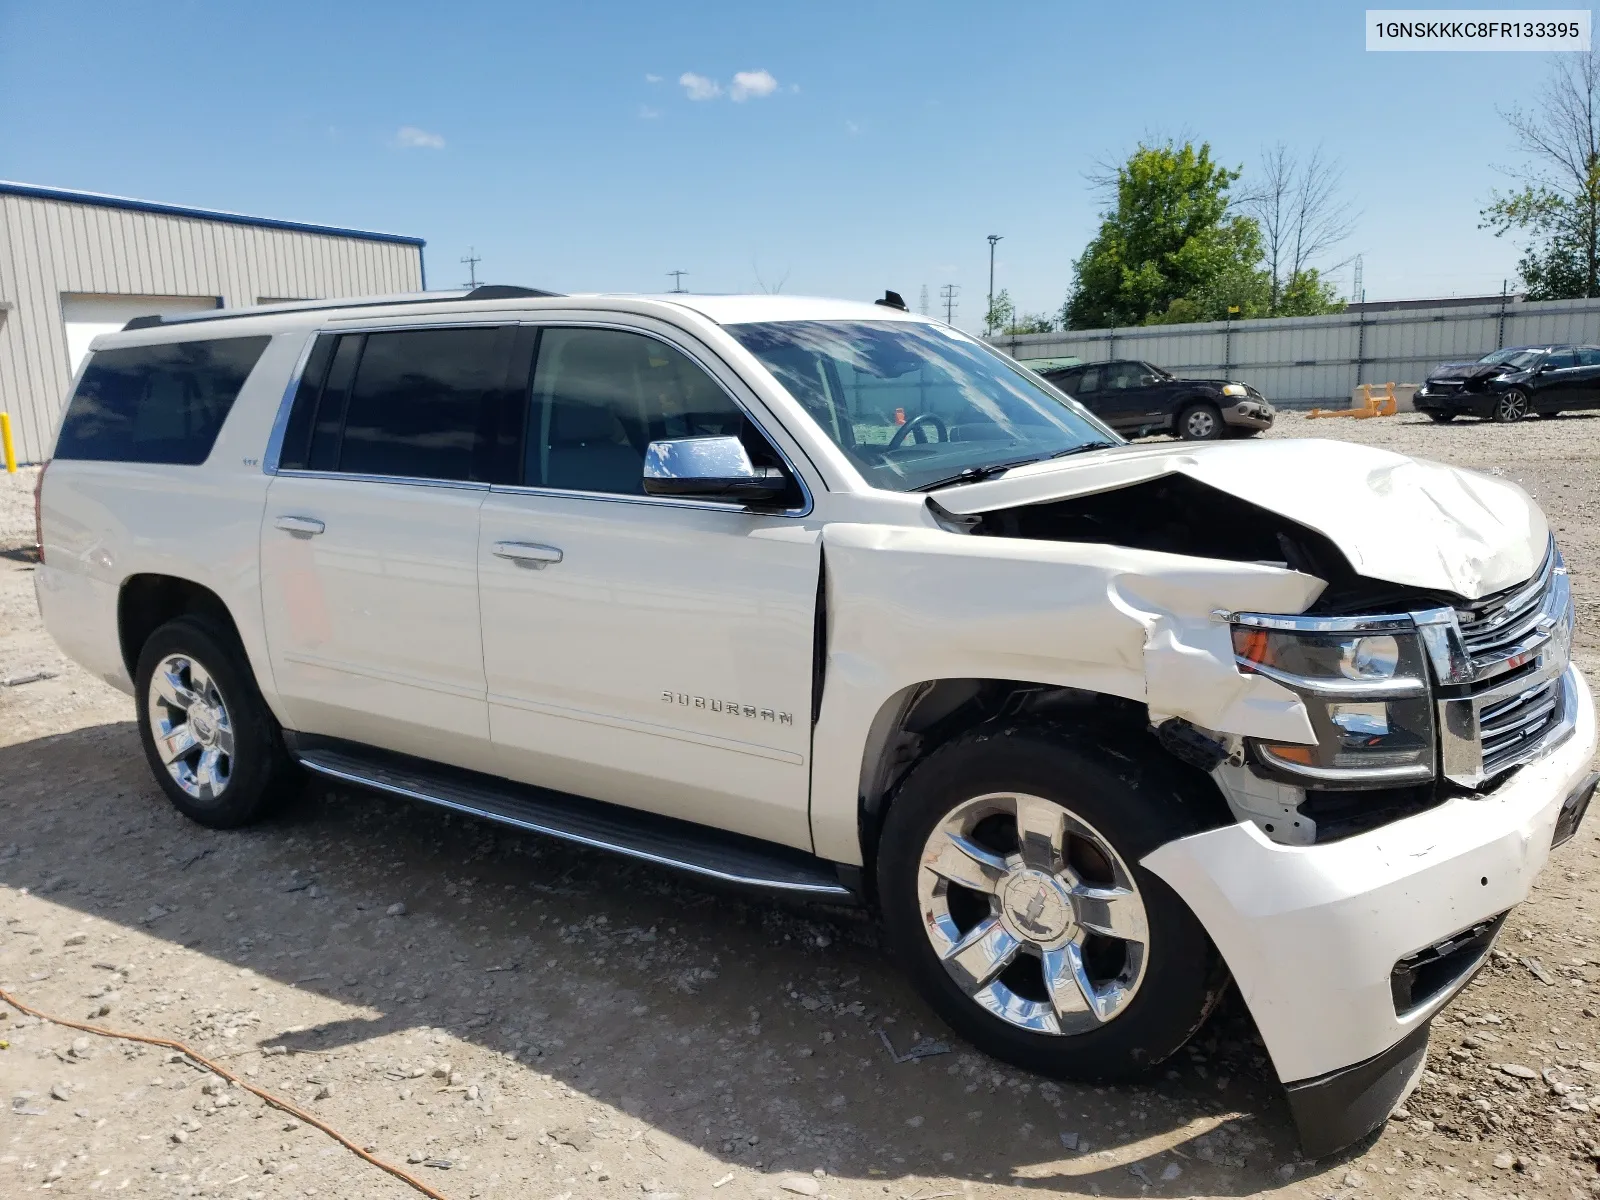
[539,1021]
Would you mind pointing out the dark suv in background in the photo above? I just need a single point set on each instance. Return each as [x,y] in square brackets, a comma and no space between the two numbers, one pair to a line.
[1509,384]
[1137,397]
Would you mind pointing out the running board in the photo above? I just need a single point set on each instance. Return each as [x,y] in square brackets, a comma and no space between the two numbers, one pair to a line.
[683,845]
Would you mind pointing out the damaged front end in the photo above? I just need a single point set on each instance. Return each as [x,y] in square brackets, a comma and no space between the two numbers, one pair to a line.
[1440,734]
[1411,694]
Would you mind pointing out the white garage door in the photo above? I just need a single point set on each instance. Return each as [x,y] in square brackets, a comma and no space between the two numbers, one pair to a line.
[87,317]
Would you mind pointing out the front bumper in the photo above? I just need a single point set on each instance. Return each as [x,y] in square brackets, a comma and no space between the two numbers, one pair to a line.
[1471,404]
[1249,414]
[1312,934]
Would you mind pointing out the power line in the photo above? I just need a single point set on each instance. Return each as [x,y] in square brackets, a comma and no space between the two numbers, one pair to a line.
[677,280]
[948,294]
[471,262]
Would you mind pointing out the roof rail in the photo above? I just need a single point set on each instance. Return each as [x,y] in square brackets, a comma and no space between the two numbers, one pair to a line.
[503,291]
[488,291]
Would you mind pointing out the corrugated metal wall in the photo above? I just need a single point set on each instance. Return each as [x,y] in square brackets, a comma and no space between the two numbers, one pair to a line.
[49,248]
[1301,361]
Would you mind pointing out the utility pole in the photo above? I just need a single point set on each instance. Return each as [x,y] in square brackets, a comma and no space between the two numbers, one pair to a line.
[677,280]
[988,317]
[948,294]
[471,262]
[922,305]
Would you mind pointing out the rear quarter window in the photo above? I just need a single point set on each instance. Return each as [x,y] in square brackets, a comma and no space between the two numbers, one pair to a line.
[162,403]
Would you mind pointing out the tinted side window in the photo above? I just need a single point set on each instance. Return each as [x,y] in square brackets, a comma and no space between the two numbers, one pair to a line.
[601,396]
[1588,356]
[419,403]
[1090,381]
[156,404]
[1067,381]
[1560,359]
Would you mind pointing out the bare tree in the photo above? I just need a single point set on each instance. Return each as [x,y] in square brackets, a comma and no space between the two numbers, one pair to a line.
[770,289]
[1560,203]
[1300,211]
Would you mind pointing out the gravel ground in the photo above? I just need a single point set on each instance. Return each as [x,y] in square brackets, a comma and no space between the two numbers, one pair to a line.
[518,1018]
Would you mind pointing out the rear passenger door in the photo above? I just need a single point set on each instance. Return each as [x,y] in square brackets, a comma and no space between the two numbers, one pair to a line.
[369,539]
[642,650]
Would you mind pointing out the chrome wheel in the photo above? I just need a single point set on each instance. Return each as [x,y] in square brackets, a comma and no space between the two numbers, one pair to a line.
[1200,424]
[1513,406]
[1033,913]
[190,725]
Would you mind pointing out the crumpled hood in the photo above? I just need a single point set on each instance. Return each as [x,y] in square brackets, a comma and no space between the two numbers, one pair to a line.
[1399,519]
[1464,370]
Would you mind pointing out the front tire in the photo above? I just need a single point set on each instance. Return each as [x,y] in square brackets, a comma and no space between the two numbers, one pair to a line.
[1200,422]
[208,736]
[1511,407]
[1012,893]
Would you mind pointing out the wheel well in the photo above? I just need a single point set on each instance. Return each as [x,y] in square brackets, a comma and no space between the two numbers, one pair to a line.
[920,719]
[149,601]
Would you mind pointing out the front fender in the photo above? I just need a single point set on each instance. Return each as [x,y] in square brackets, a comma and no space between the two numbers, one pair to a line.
[908,605]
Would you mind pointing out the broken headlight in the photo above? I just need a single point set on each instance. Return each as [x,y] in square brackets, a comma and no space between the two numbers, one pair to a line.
[1364,682]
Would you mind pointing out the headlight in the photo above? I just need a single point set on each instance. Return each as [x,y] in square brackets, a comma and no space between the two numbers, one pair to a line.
[1365,688]
[1234,389]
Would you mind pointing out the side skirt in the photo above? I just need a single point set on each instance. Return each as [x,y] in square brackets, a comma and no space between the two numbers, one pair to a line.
[682,845]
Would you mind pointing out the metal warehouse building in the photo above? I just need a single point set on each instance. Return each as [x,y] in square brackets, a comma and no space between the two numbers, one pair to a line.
[74,265]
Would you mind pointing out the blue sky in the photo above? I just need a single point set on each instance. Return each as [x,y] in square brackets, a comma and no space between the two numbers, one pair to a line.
[872,145]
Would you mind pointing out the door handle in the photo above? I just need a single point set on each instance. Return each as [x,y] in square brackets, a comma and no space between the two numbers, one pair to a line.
[528,554]
[306,526]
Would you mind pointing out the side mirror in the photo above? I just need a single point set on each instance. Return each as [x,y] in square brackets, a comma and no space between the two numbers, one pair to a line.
[709,468]
[1148,381]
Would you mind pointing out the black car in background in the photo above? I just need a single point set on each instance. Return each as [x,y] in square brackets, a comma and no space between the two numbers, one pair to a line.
[1509,384]
[1137,397]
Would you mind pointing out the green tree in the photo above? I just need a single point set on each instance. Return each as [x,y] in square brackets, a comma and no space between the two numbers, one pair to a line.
[1169,237]
[1001,311]
[1307,294]
[1557,211]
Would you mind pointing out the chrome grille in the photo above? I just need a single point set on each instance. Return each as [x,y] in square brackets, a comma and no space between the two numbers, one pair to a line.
[1506,726]
[1493,627]
[1505,659]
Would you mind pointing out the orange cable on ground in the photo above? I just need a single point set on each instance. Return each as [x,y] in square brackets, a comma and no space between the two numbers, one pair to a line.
[291,1109]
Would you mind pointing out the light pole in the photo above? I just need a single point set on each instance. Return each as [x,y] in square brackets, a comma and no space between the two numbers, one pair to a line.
[988,317]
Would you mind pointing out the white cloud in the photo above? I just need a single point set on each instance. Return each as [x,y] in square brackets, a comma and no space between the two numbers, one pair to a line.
[852,128]
[752,83]
[652,79]
[646,113]
[698,87]
[411,137]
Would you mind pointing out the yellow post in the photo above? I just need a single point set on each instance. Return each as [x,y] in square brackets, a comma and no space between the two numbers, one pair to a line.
[6,443]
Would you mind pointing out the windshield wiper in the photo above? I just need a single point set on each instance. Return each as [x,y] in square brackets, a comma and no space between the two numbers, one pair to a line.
[975,474]
[979,474]
[1083,448]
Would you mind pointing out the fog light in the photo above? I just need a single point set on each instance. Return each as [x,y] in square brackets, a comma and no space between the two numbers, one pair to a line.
[1360,722]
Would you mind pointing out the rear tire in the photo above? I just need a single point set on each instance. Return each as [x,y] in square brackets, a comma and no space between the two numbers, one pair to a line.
[1102,1003]
[1200,421]
[210,740]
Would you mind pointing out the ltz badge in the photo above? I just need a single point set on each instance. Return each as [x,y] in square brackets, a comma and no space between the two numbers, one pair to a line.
[731,707]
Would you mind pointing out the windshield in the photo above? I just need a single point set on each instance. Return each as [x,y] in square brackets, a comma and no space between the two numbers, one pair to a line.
[1519,357]
[913,404]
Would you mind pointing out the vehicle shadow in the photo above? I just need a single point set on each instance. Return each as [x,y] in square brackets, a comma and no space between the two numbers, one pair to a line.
[750,1029]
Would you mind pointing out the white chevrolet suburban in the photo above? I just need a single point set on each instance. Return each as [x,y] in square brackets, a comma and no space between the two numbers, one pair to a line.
[830,599]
